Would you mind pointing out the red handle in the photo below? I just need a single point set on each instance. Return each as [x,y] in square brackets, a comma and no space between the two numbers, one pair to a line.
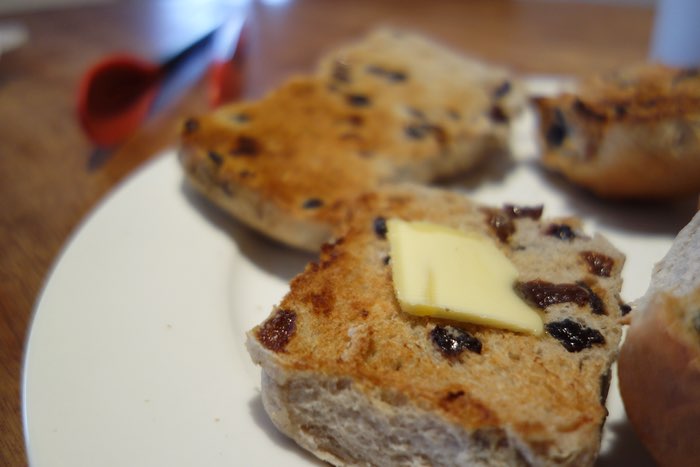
[114,97]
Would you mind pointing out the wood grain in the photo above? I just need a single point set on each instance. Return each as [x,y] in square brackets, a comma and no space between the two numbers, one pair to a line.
[50,178]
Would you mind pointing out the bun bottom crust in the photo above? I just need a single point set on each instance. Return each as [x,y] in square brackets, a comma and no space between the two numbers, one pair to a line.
[343,425]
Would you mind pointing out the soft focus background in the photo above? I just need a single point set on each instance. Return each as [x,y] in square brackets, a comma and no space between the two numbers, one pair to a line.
[8,6]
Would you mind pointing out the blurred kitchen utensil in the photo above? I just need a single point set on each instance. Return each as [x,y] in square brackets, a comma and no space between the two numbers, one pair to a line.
[228,56]
[116,94]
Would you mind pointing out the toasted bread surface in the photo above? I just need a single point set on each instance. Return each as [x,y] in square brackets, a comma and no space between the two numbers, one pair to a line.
[393,107]
[630,134]
[338,345]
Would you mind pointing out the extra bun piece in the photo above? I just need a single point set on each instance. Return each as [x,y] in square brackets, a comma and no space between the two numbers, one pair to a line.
[659,364]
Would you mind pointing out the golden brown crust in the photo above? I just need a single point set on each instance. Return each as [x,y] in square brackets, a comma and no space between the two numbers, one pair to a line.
[290,147]
[632,134]
[348,325]
[317,141]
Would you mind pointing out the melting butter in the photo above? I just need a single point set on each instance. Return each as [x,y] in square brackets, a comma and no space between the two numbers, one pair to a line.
[445,273]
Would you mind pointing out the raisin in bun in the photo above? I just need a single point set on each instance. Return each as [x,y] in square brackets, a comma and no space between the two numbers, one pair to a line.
[355,380]
[659,365]
[630,134]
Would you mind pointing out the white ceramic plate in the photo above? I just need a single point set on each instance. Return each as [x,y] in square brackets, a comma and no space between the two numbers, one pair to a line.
[136,352]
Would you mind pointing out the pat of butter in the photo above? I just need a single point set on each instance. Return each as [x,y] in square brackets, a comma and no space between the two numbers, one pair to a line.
[445,273]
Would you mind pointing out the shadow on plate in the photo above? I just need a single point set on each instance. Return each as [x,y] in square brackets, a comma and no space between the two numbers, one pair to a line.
[625,449]
[262,421]
[274,258]
[653,217]
[493,169]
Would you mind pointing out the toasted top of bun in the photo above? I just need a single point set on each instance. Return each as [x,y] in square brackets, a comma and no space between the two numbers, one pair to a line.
[357,381]
[630,134]
[391,107]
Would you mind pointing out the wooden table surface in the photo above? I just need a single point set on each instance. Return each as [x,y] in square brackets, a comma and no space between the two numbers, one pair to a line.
[50,177]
